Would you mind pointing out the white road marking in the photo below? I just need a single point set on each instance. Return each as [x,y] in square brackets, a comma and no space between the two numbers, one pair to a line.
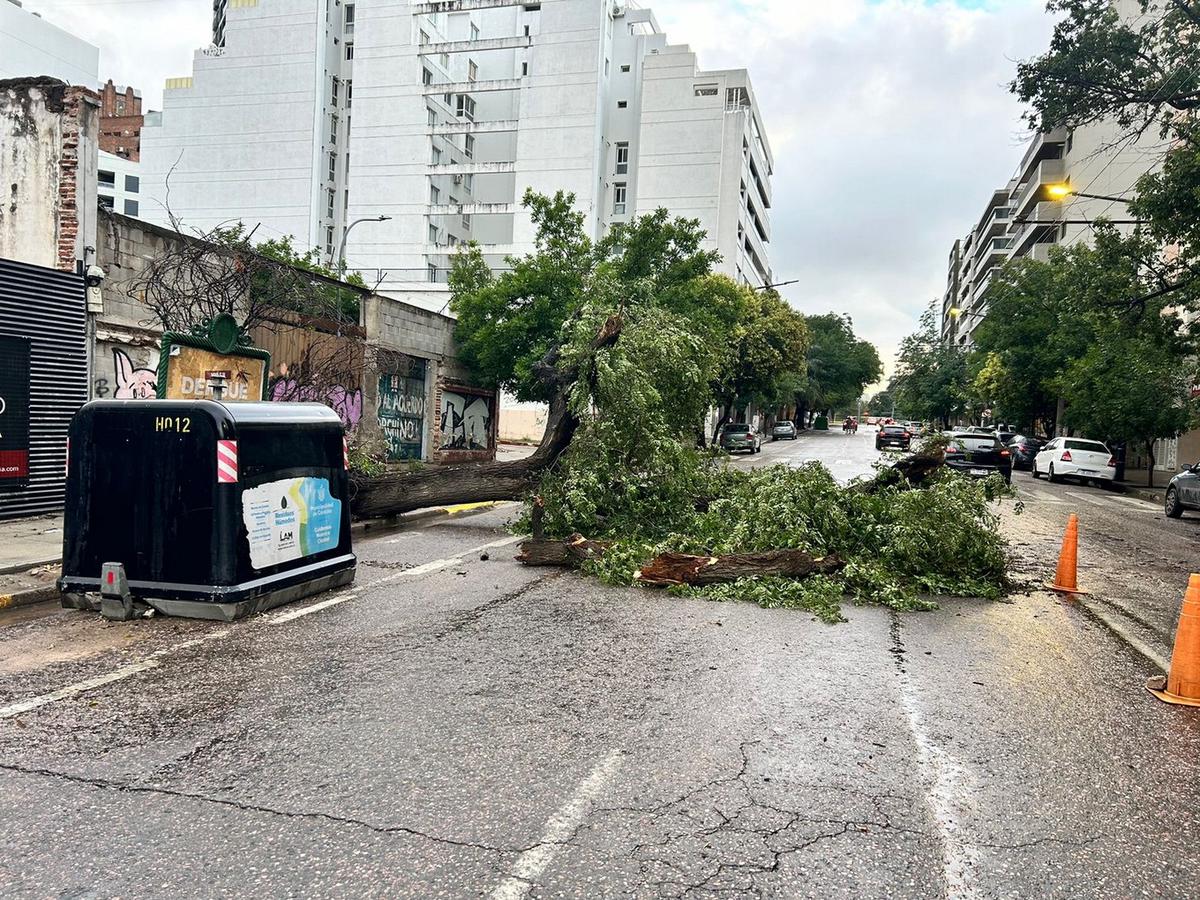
[530,865]
[23,706]
[438,564]
[1137,504]
[280,618]
[949,791]
[1085,498]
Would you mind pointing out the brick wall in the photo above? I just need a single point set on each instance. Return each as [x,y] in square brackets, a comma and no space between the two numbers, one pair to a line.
[121,121]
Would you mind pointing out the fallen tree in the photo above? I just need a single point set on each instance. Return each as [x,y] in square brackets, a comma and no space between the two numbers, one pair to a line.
[672,569]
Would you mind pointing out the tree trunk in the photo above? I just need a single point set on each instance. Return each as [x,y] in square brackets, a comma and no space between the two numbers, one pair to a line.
[721,422]
[572,552]
[387,495]
[1150,467]
[683,568]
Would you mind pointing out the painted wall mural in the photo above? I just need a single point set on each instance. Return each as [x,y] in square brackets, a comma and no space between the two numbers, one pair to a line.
[466,422]
[125,373]
[402,408]
[346,402]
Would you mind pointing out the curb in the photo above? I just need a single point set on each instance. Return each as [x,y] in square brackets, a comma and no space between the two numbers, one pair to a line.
[12,568]
[390,523]
[1154,496]
[29,596]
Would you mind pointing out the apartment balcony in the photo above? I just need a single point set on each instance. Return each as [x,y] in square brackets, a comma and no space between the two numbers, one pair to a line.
[463,126]
[1033,190]
[472,168]
[1045,145]
[997,224]
[471,209]
[455,6]
[521,42]
[474,87]
[1041,252]
[1032,236]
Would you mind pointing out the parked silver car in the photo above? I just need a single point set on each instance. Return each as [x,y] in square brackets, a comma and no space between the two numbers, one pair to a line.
[781,431]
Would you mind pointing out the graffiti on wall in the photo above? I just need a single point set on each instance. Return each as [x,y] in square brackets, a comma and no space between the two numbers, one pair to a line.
[402,412]
[346,402]
[126,373]
[466,422]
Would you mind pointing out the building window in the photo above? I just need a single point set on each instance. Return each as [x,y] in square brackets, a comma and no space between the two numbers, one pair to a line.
[472,70]
[525,67]
[620,193]
[133,184]
[332,166]
[433,234]
[465,107]
[331,198]
[737,98]
[437,156]
[349,92]
[466,222]
[705,90]
[334,93]
[424,39]
[333,129]
[469,146]
[624,68]
[622,104]
[106,179]
[349,17]
[349,49]
[106,202]
[606,68]
[435,195]
[426,76]
[432,116]
[444,59]
[623,158]
[451,241]
[474,32]
[433,271]
[448,99]
[329,241]
[131,207]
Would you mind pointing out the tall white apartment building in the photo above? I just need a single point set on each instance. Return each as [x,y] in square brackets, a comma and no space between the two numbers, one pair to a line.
[259,131]
[459,107]
[29,46]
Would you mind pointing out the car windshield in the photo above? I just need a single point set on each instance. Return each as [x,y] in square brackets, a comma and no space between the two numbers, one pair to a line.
[1093,446]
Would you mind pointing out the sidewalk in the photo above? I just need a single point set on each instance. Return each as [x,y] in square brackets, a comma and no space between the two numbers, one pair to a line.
[30,553]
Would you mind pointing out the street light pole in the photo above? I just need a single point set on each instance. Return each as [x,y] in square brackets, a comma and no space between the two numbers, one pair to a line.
[341,256]
[769,287]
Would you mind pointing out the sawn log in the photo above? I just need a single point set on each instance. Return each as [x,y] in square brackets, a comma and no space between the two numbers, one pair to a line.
[683,568]
[572,552]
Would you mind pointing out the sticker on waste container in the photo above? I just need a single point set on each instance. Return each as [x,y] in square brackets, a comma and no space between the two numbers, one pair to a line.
[290,519]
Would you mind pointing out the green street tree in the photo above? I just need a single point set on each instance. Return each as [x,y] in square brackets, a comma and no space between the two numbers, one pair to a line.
[840,365]
[931,381]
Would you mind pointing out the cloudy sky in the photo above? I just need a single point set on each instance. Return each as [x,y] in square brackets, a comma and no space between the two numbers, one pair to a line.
[889,119]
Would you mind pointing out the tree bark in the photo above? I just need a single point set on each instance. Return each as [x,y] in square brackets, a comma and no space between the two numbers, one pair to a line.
[1150,466]
[670,569]
[572,552]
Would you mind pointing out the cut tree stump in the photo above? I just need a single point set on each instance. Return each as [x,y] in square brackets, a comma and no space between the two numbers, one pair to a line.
[670,569]
[572,552]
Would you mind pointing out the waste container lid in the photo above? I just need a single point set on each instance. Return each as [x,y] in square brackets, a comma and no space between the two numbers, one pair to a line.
[263,413]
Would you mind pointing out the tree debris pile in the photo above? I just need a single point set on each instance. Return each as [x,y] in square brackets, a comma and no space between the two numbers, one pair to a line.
[782,537]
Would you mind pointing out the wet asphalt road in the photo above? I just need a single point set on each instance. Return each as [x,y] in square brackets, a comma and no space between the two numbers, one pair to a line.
[460,727]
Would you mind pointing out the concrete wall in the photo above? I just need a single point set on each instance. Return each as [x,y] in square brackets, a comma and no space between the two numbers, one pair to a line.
[47,172]
[127,340]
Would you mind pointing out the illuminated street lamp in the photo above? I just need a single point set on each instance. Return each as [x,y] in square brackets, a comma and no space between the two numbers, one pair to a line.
[1062,191]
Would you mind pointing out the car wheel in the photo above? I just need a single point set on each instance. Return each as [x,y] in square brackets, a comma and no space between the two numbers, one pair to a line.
[1171,505]
[1050,475]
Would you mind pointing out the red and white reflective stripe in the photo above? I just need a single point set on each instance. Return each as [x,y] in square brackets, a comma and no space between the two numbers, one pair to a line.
[346,453]
[227,468]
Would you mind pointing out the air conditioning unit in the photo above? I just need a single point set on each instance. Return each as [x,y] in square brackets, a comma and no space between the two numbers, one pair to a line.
[457,179]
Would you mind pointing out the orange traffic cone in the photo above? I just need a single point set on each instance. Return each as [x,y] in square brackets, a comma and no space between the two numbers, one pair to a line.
[1065,578]
[1183,682]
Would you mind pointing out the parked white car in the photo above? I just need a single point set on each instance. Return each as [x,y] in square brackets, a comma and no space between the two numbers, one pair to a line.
[1076,458]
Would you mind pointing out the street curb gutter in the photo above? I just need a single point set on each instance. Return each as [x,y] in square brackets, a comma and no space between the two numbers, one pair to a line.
[29,596]
[13,568]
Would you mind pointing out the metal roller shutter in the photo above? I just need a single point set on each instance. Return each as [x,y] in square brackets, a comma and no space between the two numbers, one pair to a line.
[48,308]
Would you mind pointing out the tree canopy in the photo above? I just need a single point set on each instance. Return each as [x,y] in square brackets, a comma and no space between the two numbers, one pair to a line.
[840,364]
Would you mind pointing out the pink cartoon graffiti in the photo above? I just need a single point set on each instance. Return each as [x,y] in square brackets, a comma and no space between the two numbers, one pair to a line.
[133,384]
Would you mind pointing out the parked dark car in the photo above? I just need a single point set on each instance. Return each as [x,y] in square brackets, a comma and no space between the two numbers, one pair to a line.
[1024,448]
[1183,492]
[783,430]
[740,436]
[978,455]
[893,436]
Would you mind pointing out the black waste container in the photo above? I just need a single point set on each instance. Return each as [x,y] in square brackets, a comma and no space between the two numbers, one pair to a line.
[215,510]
